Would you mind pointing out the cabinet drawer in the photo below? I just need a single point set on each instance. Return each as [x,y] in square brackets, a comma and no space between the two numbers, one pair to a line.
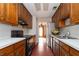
[74,52]
[17,45]
[5,51]
[64,46]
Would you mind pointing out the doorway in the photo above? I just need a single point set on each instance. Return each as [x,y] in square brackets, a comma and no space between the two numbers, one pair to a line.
[42,33]
[42,30]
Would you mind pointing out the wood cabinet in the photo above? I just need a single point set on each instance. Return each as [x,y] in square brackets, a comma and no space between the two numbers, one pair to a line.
[20,48]
[64,11]
[73,52]
[20,51]
[7,51]
[61,14]
[74,15]
[2,12]
[25,15]
[67,10]
[62,49]
[17,49]
[63,52]
[8,13]
[12,13]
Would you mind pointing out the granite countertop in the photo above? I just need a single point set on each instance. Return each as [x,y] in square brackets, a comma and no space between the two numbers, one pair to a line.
[74,43]
[9,41]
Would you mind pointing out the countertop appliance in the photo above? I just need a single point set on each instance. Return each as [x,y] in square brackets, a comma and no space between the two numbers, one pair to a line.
[17,33]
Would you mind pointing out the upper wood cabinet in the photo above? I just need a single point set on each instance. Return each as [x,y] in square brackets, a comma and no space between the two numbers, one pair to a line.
[25,15]
[12,13]
[61,14]
[64,10]
[67,10]
[2,12]
[74,14]
[8,13]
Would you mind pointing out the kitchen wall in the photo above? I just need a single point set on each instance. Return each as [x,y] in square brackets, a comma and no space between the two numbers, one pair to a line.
[74,31]
[5,30]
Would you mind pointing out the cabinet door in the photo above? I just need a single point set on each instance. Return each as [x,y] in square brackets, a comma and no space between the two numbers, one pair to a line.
[29,22]
[63,52]
[12,13]
[21,11]
[74,52]
[2,12]
[20,51]
[7,50]
[25,15]
[65,10]
[20,48]
[74,13]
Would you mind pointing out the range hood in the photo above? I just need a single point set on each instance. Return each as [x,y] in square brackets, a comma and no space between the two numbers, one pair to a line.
[22,22]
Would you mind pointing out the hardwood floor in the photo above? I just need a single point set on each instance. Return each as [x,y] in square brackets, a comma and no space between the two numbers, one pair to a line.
[42,49]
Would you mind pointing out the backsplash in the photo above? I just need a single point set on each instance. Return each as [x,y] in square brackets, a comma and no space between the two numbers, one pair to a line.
[74,31]
[5,30]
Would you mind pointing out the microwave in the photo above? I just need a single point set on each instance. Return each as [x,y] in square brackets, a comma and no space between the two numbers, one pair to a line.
[17,33]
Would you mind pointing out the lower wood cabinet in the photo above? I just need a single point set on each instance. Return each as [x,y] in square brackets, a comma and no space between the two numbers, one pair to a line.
[17,49]
[7,51]
[74,52]
[62,49]
[63,52]
[20,51]
[20,48]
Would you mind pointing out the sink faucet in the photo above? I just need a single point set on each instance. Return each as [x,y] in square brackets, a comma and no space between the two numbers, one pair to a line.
[67,35]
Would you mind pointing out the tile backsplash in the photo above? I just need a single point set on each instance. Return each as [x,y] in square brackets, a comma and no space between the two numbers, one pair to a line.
[74,31]
[5,30]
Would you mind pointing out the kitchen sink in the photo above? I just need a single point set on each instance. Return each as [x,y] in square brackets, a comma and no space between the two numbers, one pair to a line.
[63,37]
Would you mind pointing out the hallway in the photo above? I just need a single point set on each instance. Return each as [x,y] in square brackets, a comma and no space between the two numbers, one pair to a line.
[42,49]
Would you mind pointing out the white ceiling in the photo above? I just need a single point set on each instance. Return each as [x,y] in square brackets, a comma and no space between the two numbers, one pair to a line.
[41,9]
